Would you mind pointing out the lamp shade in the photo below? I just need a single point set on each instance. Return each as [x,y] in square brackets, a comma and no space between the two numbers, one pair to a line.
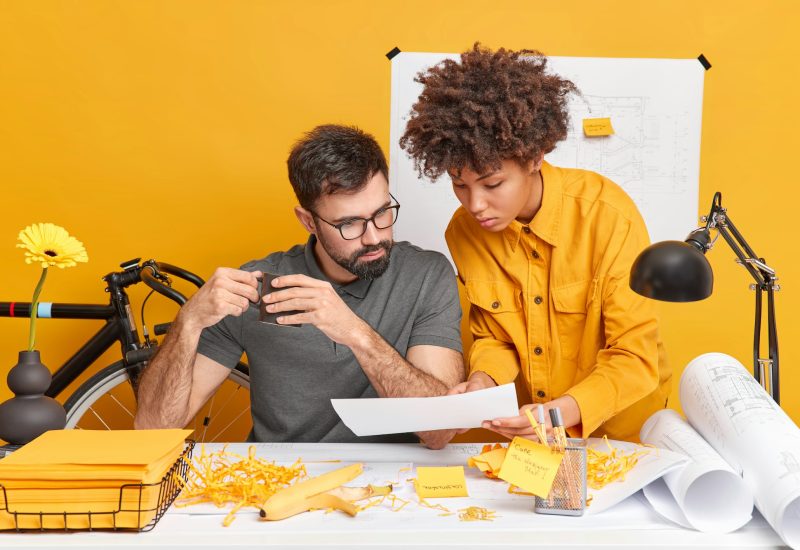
[672,271]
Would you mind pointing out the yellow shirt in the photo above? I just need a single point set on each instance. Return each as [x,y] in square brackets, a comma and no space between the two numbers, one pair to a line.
[550,301]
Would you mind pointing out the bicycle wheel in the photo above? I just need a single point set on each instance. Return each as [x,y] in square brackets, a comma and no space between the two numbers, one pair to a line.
[107,401]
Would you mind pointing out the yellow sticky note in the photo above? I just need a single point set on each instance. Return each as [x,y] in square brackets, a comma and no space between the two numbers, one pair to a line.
[441,481]
[593,127]
[531,466]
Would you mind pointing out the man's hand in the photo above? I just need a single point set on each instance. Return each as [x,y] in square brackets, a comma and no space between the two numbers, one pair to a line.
[227,292]
[478,381]
[320,305]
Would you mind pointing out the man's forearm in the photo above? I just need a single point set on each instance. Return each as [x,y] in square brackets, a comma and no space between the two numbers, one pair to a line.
[390,374]
[166,384]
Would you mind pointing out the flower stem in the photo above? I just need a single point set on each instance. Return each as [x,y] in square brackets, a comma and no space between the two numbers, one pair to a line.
[34,308]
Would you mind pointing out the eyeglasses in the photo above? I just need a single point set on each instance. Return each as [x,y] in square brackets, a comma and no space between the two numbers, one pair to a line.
[355,227]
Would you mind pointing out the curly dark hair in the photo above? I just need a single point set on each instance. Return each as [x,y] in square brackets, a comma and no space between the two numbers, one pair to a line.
[490,107]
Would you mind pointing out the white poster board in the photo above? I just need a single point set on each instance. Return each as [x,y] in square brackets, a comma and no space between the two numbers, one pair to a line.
[655,106]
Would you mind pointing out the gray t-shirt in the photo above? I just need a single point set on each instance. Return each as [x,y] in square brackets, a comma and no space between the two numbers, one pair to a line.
[295,372]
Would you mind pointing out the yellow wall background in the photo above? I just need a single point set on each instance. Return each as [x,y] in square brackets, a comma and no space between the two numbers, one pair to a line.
[160,129]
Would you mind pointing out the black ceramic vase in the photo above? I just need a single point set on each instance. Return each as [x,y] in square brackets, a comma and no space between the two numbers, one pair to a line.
[30,413]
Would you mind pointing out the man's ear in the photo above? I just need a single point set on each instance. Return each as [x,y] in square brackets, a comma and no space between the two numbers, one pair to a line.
[306,218]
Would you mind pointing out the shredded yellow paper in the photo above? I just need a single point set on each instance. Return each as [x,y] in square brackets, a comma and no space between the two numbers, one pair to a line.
[223,478]
[482,465]
[395,503]
[514,490]
[603,468]
[476,513]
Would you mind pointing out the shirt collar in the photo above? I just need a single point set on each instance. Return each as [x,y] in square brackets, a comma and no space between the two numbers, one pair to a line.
[546,222]
[357,288]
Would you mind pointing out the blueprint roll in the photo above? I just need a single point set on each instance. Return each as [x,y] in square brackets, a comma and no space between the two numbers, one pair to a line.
[706,494]
[725,404]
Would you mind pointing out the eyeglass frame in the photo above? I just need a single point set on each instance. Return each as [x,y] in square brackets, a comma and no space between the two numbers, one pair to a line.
[338,226]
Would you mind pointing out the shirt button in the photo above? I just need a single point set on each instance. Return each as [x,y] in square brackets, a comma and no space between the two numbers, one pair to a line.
[537,300]
[535,254]
[526,229]
[495,305]
[537,350]
[540,393]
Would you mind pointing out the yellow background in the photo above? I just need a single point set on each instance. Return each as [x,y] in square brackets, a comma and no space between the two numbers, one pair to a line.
[160,129]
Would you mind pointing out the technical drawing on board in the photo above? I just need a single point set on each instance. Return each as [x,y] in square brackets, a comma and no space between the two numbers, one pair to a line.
[655,107]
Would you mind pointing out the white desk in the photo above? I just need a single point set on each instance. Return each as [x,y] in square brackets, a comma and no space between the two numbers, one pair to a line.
[630,524]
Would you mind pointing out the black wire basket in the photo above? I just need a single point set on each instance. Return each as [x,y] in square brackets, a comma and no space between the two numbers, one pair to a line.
[126,517]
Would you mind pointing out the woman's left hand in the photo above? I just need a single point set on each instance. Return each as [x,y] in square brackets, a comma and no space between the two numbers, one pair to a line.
[520,426]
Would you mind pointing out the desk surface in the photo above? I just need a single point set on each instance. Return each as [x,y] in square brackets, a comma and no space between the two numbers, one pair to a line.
[632,523]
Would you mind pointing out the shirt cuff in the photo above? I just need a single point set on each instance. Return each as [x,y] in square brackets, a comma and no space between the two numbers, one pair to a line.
[435,340]
[502,364]
[588,394]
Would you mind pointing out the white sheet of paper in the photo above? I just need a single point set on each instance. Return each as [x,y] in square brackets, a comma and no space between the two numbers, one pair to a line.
[387,415]
[706,494]
[652,465]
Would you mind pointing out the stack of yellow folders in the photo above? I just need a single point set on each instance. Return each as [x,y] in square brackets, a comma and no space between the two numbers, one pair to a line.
[69,473]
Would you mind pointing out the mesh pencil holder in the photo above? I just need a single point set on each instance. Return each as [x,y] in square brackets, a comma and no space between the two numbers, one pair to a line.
[568,495]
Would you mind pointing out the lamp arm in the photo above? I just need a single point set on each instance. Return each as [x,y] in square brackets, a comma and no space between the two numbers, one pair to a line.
[764,370]
[718,219]
[747,261]
[772,336]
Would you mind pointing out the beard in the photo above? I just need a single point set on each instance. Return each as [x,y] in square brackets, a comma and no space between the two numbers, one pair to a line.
[371,269]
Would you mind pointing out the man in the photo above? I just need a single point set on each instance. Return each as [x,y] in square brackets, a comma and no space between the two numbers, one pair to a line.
[378,318]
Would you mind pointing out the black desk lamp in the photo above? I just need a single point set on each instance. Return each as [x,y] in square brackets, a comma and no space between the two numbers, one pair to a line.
[678,271]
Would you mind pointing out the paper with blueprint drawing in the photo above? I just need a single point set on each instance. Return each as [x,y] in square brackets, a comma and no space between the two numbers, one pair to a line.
[707,493]
[737,417]
[655,107]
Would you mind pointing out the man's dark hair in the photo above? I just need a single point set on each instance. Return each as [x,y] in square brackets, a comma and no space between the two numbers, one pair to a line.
[333,159]
[490,107]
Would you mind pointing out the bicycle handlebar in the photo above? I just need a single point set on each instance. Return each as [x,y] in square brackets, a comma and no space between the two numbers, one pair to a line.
[139,355]
[148,276]
[151,273]
[180,272]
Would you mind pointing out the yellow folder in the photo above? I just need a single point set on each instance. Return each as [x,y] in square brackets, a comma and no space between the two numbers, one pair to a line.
[70,473]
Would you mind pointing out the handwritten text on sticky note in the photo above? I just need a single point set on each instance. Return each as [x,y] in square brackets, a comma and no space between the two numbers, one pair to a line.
[593,127]
[441,481]
[531,466]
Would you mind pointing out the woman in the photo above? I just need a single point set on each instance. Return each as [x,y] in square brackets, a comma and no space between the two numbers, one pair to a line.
[543,252]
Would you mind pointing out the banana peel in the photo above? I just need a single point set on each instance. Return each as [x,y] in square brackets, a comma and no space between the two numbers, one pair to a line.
[322,492]
[353,494]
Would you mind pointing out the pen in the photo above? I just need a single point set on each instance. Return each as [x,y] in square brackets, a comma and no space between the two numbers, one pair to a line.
[536,427]
[567,469]
[559,436]
[542,423]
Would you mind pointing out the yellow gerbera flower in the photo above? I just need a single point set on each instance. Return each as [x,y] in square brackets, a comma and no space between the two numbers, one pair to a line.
[51,245]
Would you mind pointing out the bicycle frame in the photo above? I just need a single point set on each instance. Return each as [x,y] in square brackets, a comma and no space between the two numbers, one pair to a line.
[119,326]
[111,332]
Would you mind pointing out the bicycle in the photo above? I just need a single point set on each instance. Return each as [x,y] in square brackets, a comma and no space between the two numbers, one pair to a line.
[107,400]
